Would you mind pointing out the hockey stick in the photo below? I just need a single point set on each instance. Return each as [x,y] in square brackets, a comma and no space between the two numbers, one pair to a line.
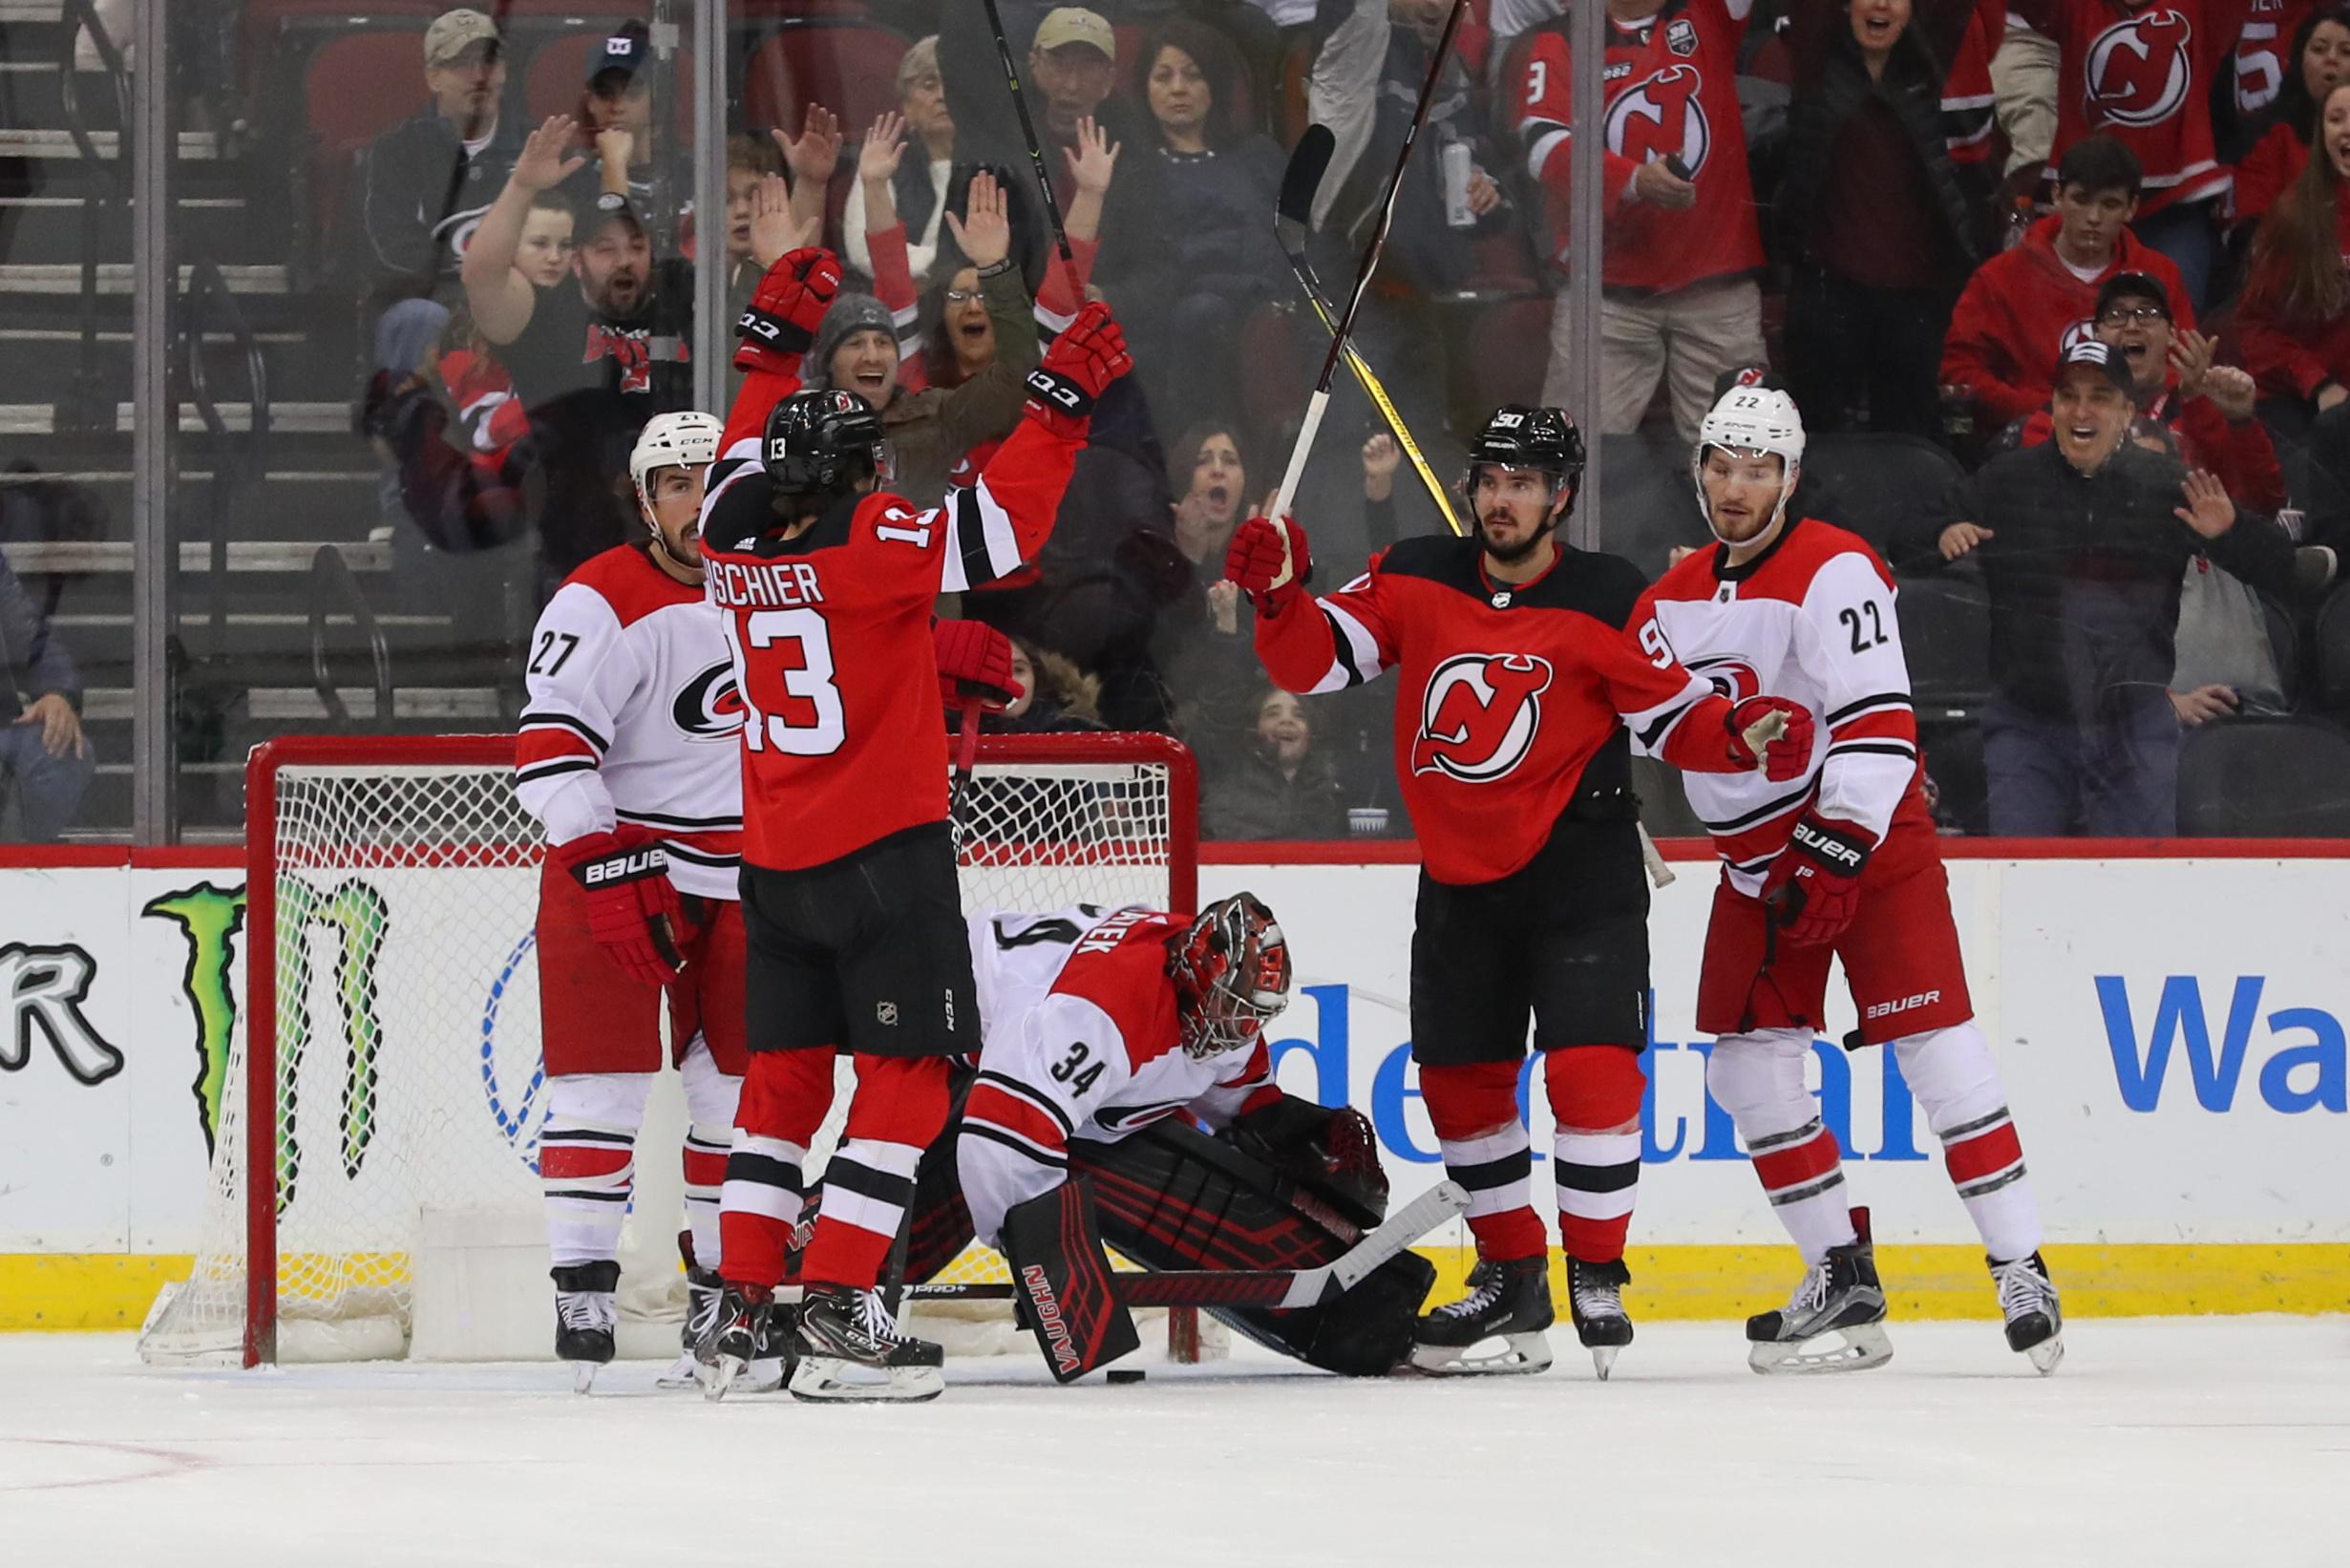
[1292,220]
[1319,403]
[1036,152]
[1281,1289]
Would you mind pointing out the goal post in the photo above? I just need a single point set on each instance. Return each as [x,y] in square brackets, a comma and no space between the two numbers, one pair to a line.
[386,1069]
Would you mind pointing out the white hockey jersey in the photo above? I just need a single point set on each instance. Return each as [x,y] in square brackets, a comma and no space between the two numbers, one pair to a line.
[1809,618]
[633,717]
[1078,1028]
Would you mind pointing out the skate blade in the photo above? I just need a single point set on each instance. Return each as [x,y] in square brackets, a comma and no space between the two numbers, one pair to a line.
[1521,1354]
[685,1372]
[2048,1354]
[583,1376]
[717,1377]
[1851,1349]
[826,1380]
[1603,1358]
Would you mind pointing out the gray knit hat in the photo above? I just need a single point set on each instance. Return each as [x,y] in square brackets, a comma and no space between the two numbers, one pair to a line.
[851,314]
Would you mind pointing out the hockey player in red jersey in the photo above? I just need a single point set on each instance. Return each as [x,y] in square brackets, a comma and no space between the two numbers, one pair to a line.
[1517,682]
[854,919]
[1839,862]
[628,757]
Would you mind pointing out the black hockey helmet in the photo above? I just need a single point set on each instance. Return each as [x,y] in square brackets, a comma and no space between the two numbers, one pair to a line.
[822,442]
[1230,972]
[1540,439]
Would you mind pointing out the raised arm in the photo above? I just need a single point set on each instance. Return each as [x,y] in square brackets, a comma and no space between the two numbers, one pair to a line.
[774,334]
[500,298]
[1305,643]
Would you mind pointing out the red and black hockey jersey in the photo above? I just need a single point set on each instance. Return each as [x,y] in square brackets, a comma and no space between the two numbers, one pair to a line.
[1671,91]
[1511,702]
[843,744]
[2142,75]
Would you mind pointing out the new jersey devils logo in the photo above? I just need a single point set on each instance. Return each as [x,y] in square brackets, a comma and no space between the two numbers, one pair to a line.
[2139,70]
[710,707]
[2079,331]
[630,349]
[1479,715]
[1661,116]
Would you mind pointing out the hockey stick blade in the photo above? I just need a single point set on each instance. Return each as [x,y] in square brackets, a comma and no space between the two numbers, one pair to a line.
[1446,1200]
[1293,210]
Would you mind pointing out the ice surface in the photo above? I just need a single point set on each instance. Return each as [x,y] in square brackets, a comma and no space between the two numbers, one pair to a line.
[2210,1442]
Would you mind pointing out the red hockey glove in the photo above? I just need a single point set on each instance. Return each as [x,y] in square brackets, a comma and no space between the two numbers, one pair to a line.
[632,909]
[1814,885]
[1254,559]
[780,323]
[1083,361]
[975,660]
[1781,756]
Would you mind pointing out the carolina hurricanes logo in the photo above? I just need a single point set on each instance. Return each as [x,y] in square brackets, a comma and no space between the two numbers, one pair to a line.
[1731,676]
[710,707]
[2138,69]
[1479,715]
[1659,116]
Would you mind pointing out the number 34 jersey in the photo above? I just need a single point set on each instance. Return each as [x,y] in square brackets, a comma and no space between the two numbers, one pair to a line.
[1810,619]
[1078,1020]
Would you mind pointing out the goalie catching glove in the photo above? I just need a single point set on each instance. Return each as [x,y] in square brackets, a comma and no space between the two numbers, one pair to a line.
[632,908]
[1813,887]
[1083,361]
[780,323]
[1254,559]
[975,660]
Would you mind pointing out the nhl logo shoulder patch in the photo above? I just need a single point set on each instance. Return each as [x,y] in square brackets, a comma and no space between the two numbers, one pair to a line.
[1681,37]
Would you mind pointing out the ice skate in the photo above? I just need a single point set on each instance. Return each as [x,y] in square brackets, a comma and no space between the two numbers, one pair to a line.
[1594,1299]
[705,1294]
[1840,1297]
[1507,1301]
[586,1312]
[750,1349]
[847,1347]
[2035,1319]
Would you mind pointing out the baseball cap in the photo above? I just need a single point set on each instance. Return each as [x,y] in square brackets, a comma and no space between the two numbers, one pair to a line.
[2141,285]
[1076,25]
[2108,362]
[455,32]
[623,53]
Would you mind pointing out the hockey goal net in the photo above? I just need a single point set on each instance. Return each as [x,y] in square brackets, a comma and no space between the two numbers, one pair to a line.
[387,1065]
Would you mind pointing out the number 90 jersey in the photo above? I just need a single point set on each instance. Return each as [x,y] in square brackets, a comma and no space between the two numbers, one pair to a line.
[1079,1033]
[844,739]
[1810,619]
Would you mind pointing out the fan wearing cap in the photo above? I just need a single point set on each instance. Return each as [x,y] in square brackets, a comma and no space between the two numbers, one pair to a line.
[616,114]
[429,179]
[1839,861]
[2082,543]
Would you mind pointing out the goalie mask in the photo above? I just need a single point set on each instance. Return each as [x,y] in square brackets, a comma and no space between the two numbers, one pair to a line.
[1231,973]
[822,443]
[1751,422]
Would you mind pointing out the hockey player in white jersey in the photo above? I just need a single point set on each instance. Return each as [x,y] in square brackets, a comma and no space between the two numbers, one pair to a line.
[629,755]
[1841,864]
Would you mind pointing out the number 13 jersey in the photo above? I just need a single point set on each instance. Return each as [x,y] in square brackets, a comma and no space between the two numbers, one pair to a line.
[844,741]
[1810,619]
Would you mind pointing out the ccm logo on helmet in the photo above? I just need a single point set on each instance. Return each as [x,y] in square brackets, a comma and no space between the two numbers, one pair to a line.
[1479,715]
[710,707]
[1885,1009]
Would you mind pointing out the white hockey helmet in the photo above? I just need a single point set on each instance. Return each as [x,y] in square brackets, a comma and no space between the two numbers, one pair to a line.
[686,439]
[1750,421]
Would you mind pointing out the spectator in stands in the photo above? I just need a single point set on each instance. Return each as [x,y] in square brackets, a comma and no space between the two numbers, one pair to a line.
[2295,321]
[1280,787]
[45,759]
[749,160]
[2023,306]
[431,177]
[918,186]
[1187,230]
[1681,248]
[2319,60]
[1207,675]
[616,114]
[1871,212]
[2083,543]
[1056,697]
[592,358]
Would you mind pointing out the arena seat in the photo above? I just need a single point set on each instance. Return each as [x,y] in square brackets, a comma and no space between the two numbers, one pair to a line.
[2265,777]
[2331,640]
[1645,503]
[355,85]
[1508,349]
[1879,482]
[1946,638]
[849,67]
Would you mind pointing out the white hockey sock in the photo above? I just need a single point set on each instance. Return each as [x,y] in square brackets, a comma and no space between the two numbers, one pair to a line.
[711,1099]
[1956,1080]
[1759,1079]
[587,1162]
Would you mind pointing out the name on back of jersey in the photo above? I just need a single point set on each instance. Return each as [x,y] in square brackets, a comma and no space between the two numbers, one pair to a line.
[775,585]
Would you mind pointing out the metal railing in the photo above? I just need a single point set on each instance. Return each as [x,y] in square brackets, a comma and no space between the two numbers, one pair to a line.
[332,585]
[88,406]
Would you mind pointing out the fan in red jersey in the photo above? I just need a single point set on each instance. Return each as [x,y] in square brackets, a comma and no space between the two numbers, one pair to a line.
[853,920]
[1838,861]
[628,757]
[1516,682]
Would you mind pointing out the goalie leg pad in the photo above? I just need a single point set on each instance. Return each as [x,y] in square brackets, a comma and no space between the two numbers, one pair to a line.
[1067,1295]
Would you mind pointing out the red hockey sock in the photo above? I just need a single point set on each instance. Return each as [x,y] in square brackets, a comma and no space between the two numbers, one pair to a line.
[785,1096]
[1474,1108]
[1594,1093]
[899,1110]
